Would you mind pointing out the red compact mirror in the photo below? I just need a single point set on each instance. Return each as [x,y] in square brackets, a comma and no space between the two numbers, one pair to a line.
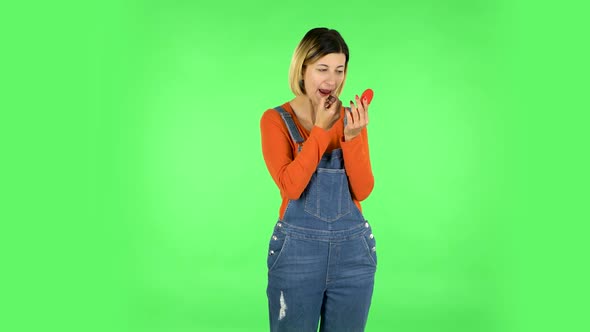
[367,94]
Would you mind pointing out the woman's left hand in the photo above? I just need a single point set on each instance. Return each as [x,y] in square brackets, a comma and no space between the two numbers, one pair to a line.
[356,119]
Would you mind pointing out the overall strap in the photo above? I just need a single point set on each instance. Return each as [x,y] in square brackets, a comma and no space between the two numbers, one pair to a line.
[291,126]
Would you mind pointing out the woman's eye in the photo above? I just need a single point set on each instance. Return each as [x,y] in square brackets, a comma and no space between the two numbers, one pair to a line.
[322,69]
[340,71]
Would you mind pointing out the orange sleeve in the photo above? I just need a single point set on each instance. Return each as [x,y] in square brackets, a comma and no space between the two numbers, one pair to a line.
[291,174]
[358,165]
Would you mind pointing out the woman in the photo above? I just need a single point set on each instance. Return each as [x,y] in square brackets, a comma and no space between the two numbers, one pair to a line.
[322,259]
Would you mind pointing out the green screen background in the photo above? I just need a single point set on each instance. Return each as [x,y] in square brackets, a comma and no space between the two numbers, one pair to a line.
[137,198]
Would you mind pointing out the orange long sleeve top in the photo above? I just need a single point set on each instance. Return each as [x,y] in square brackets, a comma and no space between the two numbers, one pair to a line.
[291,171]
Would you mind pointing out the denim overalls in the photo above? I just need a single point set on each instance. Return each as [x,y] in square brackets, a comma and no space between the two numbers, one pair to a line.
[321,259]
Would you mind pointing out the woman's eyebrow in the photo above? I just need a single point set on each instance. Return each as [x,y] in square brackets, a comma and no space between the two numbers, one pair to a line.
[322,64]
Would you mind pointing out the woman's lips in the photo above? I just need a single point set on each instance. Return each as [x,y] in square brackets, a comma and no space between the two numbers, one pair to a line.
[325,92]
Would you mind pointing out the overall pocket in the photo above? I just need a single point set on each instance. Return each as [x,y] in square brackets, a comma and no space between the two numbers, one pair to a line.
[371,245]
[276,246]
[328,196]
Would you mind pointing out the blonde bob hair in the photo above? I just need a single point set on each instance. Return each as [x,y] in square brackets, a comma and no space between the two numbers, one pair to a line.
[316,43]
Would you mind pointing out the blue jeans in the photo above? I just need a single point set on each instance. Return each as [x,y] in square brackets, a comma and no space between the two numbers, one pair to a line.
[317,273]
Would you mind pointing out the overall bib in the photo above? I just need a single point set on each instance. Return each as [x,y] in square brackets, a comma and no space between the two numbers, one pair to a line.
[321,258]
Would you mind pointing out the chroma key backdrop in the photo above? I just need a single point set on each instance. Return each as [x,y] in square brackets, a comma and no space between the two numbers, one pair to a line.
[138,184]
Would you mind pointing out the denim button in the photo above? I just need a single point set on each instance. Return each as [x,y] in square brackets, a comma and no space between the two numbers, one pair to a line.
[373,249]
[280,225]
[367,225]
[274,237]
[272,252]
[371,236]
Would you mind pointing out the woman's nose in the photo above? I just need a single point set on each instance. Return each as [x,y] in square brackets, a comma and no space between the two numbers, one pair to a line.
[332,79]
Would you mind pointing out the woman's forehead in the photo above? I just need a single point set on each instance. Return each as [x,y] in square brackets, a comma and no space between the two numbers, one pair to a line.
[331,59]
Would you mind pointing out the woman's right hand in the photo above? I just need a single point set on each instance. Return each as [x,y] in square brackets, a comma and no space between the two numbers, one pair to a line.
[326,117]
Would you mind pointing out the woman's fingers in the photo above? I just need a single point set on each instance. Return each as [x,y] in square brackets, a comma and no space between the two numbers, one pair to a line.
[357,118]
[328,101]
[359,114]
[364,114]
[358,108]
[348,114]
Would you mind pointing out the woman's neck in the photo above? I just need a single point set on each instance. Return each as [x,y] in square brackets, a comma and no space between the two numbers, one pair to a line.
[304,109]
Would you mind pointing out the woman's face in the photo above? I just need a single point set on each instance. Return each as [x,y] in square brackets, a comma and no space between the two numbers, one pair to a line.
[324,77]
